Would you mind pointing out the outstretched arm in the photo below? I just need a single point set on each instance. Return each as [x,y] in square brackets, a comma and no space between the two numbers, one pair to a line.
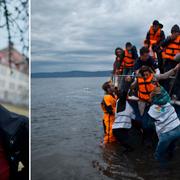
[133,85]
[168,74]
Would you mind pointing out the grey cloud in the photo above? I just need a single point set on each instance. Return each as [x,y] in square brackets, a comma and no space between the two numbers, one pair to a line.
[85,30]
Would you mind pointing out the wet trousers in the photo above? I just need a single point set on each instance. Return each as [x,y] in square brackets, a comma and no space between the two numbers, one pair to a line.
[166,144]
[122,136]
[108,133]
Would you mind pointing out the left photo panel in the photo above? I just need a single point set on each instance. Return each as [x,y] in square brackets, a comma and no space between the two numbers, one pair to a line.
[14,89]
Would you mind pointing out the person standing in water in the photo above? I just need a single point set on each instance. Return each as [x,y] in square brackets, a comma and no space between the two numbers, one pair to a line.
[108,106]
[166,122]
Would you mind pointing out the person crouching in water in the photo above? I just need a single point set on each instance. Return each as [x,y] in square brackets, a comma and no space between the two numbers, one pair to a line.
[108,106]
[166,122]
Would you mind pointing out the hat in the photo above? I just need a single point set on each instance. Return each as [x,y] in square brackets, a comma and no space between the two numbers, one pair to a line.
[175,28]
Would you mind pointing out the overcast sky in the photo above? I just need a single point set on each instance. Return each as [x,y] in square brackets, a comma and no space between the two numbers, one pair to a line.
[82,35]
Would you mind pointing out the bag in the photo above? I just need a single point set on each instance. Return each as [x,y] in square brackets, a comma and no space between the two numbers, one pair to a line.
[14,130]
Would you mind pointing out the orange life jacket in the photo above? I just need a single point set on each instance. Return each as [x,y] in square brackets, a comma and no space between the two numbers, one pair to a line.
[128,60]
[108,119]
[172,49]
[118,70]
[154,36]
[108,100]
[145,87]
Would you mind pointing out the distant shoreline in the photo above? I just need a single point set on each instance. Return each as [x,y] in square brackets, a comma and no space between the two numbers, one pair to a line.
[71,74]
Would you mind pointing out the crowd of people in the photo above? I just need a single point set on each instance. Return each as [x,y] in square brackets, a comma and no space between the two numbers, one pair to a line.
[142,90]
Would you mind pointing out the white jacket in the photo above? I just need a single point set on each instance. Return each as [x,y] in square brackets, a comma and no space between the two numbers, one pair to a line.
[123,119]
[165,116]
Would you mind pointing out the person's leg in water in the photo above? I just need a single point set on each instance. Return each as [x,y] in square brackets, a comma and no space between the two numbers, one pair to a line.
[146,123]
[171,149]
[108,135]
[138,122]
[137,125]
[148,129]
[122,136]
[166,144]
[104,126]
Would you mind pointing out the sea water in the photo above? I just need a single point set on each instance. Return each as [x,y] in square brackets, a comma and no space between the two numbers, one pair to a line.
[67,132]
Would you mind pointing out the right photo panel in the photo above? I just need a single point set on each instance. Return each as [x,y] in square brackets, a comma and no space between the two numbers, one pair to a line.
[105,99]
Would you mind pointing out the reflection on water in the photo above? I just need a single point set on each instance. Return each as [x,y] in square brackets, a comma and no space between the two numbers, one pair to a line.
[139,164]
[116,164]
[67,131]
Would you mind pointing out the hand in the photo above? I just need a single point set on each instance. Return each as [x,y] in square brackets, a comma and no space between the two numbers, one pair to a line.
[177,67]
[128,79]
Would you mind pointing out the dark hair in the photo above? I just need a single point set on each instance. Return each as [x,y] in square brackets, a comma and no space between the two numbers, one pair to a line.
[105,86]
[175,29]
[118,48]
[144,69]
[155,23]
[144,50]
[146,41]
[128,44]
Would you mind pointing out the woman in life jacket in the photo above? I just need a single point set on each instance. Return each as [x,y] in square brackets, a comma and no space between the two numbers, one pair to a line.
[118,66]
[108,106]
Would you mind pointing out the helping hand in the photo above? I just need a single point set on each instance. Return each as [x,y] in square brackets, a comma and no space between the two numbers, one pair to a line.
[177,67]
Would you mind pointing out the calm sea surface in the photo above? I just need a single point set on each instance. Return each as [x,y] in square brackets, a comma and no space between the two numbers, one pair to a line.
[67,131]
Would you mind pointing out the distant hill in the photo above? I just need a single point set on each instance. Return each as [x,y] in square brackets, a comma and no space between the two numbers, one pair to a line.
[71,74]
